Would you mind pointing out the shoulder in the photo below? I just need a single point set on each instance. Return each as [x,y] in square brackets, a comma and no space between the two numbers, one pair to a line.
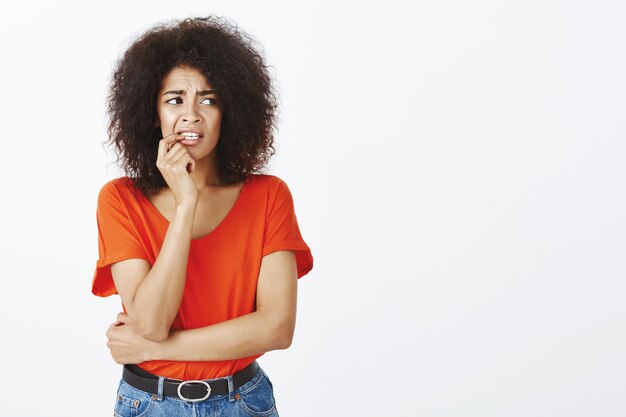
[273,190]
[271,187]
[115,189]
[271,182]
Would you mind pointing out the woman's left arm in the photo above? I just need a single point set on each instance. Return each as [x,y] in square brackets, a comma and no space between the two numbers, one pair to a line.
[268,328]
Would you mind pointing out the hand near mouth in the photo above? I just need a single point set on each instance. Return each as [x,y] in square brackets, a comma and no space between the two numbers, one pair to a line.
[172,141]
[175,164]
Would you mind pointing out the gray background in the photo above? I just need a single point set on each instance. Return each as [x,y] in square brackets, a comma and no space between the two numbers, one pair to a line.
[457,169]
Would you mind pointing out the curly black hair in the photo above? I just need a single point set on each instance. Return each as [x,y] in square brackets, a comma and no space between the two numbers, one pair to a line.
[230,60]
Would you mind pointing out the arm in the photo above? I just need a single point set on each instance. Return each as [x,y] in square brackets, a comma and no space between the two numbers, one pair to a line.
[268,328]
[152,296]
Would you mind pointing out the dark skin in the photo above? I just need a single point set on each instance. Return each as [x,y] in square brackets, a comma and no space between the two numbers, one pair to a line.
[194,203]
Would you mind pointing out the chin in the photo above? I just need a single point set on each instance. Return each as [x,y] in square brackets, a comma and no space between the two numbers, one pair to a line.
[198,154]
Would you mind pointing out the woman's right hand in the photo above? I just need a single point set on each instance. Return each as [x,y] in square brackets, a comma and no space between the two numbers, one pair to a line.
[175,164]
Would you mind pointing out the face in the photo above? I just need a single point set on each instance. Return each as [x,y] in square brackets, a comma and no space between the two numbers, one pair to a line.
[188,106]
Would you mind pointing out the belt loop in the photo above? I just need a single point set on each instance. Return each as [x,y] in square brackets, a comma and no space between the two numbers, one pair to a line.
[160,390]
[231,389]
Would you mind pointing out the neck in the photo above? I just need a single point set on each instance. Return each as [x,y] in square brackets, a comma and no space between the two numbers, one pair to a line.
[205,173]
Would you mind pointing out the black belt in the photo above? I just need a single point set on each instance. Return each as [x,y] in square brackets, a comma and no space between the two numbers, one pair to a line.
[191,390]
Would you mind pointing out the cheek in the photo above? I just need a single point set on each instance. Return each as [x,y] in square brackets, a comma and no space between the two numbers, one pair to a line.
[167,119]
[216,120]
[212,120]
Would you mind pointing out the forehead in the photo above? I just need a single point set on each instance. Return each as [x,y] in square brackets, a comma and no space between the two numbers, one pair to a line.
[183,78]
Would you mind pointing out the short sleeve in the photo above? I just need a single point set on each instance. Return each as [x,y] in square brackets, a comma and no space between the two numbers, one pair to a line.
[117,238]
[281,228]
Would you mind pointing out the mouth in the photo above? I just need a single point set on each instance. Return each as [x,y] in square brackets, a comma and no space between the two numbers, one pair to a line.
[190,137]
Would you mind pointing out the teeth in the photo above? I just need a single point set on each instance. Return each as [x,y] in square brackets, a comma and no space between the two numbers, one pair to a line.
[190,135]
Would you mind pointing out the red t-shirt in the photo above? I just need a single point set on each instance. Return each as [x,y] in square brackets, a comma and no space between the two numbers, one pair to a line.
[223,266]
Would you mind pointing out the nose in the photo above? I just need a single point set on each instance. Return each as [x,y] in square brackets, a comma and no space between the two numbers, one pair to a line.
[190,114]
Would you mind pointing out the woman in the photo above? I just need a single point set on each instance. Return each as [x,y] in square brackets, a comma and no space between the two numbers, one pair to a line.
[204,251]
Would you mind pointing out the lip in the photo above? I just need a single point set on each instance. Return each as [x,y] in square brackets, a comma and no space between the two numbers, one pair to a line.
[188,130]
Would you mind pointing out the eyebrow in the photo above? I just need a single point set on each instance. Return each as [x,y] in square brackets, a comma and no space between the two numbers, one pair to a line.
[182,92]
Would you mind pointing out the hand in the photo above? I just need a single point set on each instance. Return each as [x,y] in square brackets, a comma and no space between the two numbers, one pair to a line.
[126,344]
[175,164]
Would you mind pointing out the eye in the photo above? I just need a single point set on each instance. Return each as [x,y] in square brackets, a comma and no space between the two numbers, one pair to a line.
[209,100]
[175,100]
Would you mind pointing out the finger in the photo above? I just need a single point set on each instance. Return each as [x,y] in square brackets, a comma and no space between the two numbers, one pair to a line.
[110,330]
[171,148]
[175,152]
[172,139]
[184,160]
[165,144]
[172,142]
[121,318]
[178,157]
[162,150]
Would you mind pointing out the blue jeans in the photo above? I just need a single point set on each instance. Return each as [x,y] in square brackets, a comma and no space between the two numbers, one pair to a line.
[255,398]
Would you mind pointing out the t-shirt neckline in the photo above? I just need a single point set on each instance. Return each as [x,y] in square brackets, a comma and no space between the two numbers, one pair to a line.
[230,213]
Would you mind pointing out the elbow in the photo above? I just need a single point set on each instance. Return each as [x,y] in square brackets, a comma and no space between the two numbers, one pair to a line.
[155,335]
[156,332]
[284,343]
[148,326]
[283,337]
[276,330]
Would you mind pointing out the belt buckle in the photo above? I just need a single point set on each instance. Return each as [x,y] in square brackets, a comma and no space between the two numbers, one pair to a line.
[208,390]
